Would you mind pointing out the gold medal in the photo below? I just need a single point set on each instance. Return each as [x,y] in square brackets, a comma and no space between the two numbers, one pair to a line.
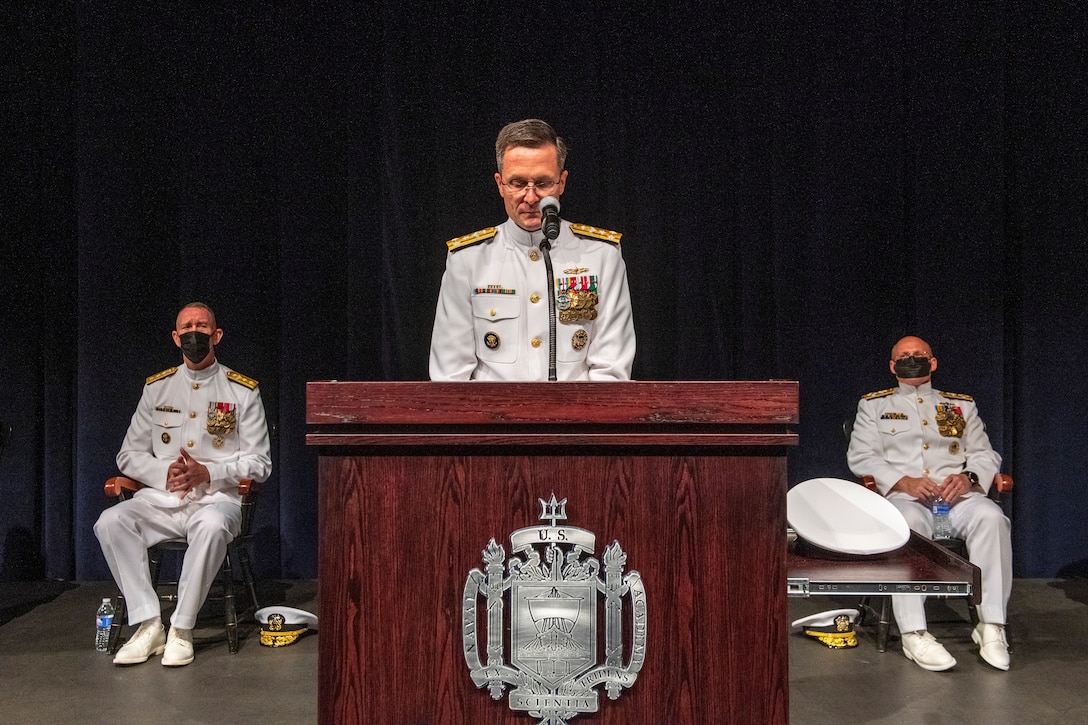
[222,418]
[580,339]
[950,422]
[492,340]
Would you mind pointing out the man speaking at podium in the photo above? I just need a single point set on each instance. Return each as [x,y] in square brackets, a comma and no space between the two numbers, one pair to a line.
[506,288]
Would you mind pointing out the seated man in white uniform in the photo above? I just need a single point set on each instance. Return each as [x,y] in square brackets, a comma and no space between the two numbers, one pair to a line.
[492,320]
[197,431]
[920,444]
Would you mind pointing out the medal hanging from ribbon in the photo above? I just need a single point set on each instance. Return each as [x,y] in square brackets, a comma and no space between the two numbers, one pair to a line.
[222,421]
[950,422]
[576,298]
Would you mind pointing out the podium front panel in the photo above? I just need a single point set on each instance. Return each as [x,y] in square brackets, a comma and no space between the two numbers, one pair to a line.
[402,524]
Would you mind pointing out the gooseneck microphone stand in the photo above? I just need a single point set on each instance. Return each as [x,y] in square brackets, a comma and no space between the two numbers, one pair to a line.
[546,249]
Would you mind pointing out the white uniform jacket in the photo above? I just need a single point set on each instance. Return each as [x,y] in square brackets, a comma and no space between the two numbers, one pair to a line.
[919,431]
[492,317]
[216,415]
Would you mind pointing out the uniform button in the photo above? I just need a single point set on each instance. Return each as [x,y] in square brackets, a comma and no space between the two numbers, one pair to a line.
[534,298]
[925,471]
[196,386]
[920,400]
[534,255]
[190,444]
[492,312]
[535,342]
[192,414]
[925,446]
[925,422]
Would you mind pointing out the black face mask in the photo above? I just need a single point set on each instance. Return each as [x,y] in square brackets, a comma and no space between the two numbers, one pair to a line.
[912,367]
[195,345]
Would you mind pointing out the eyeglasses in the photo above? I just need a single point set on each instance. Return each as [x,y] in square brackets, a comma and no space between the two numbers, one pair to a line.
[542,187]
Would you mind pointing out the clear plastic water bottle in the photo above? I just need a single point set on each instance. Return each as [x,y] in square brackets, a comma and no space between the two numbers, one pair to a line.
[103,622]
[942,527]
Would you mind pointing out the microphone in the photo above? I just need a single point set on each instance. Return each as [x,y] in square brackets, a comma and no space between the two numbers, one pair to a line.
[549,212]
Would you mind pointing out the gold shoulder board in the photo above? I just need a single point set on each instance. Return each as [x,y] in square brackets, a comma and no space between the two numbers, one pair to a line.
[241,379]
[469,239]
[879,394]
[584,230]
[160,376]
[957,396]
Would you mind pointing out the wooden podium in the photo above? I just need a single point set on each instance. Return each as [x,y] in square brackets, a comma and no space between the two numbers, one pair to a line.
[417,477]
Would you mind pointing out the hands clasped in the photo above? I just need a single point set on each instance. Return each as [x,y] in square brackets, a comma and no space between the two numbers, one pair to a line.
[927,490]
[185,474]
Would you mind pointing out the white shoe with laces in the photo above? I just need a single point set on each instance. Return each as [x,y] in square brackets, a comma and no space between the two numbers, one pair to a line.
[150,639]
[923,649]
[179,648]
[992,645]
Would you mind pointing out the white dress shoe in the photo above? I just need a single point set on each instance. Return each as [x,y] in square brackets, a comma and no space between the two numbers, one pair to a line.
[923,649]
[992,644]
[179,648]
[148,640]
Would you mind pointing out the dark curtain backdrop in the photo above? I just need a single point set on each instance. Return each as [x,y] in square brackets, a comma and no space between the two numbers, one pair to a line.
[798,184]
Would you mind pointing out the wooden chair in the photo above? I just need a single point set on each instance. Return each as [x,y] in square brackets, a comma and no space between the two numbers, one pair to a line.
[1000,492]
[121,488]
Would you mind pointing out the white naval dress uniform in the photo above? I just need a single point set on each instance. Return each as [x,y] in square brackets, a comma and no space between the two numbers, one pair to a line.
[173,413]
[492,317]
[896,433]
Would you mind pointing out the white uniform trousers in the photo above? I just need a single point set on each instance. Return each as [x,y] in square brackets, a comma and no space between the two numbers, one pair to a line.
[983,525]
[128,528]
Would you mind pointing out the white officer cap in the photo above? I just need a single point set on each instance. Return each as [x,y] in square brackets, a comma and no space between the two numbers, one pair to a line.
[845,517]
[835,627]
[282,626]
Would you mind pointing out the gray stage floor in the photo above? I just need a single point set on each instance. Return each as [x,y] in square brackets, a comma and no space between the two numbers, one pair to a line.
[50,672]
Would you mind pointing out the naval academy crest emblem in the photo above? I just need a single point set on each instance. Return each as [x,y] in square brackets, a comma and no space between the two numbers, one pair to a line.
[554,583]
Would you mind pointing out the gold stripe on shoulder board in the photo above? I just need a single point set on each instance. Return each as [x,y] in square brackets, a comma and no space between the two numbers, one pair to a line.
[241,379]
[957,396]
[469,239]
[160,376]
[584,230]
[879,394]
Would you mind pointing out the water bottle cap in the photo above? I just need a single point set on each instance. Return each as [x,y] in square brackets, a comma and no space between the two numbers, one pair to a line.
[105,599]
